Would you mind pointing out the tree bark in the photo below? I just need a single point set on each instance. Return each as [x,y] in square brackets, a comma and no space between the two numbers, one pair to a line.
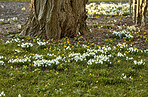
[130,3]
[56,19]
[134,10]
[140,12]
[144,10]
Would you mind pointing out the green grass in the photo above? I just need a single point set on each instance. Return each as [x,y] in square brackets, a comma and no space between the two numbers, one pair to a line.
[71,78]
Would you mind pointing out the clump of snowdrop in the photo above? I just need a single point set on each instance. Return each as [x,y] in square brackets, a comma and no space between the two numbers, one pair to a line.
[2,94]
[68,48]
[107,9]
[1,62]
[1,57]
[98,59]
[18,60]
[119,27]
[17,40]
[141,62]
[123,76]
[133,49]
[40,43]
[36,56]
[91,56]
[46,63]
[2,20]
[123,45]
[120,54]
[25,45]
[131,58]
[51,55]
[13,19]
[17,50]
[131,28]
[122,34]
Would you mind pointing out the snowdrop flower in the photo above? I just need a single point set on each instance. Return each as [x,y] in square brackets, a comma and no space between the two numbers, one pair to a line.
[13,19]
[123,32]
[17,40]
[119,27]
[2,20]
[139,62]
[19,60]
[68,48]
[2,93]
[19,95]
[146,50]
[123,45]
[1,57]
[124,77]
[120,54]
[131,49]
[17,50]
[51,55]
[107,9]
[41,43]
[1,62]
[129,58]
[44,62]
[25,45]
[36,56]
[131,28]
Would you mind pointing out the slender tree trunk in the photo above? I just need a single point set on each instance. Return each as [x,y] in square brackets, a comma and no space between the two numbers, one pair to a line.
[130,3]
[56,18]
[134,10]
[139,12]
[144,10]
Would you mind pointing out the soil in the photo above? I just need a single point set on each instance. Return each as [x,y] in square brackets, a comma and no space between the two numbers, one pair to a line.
[10,9]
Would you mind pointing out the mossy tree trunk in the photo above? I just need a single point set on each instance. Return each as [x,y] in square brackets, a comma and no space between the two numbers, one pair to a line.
[140,11]
[56,18]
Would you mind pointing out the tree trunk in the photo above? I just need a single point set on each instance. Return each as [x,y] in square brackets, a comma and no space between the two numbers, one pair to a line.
[56,19]
[144,10]
[130,3]
[134,10]
[139,12]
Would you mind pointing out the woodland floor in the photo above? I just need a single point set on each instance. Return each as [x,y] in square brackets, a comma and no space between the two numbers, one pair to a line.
[14,9]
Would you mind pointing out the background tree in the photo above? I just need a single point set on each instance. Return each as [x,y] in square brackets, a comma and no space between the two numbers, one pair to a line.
[130,3]
[140,8]
[56,18]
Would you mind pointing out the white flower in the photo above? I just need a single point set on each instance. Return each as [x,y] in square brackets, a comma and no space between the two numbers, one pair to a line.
[1,62]
[1,57]
[107,9]
[2,93]
[124,76]
[19,95]
[2,20]
[120,54]
[141,62]
[25,45]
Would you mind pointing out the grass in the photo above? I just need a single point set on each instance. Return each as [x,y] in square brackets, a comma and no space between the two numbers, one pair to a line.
[119,78]
[33,67]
